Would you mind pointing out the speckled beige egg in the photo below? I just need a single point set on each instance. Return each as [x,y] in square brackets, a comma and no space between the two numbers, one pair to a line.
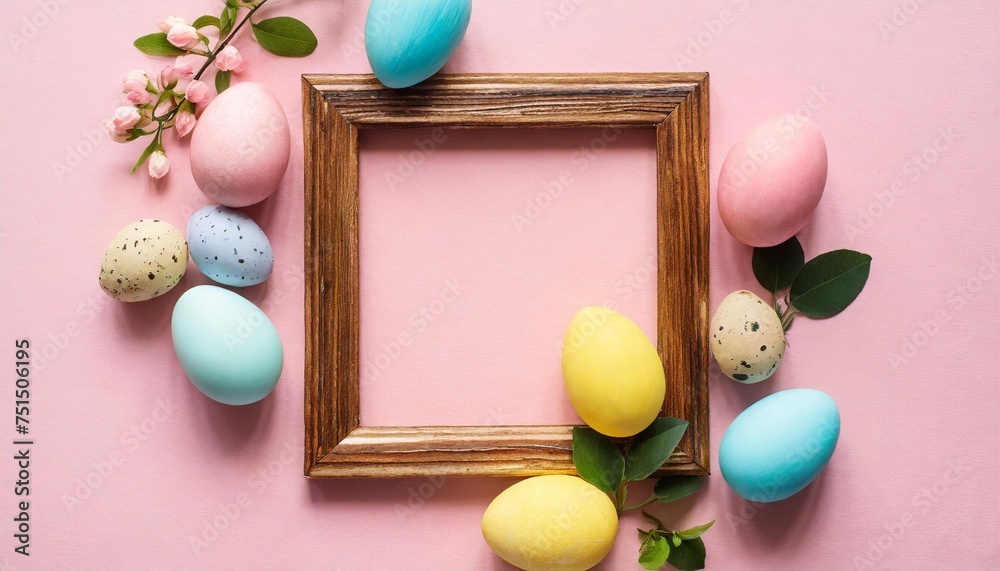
[145,260]
[747,338]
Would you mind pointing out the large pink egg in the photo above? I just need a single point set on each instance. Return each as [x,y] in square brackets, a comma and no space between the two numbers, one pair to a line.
[240,147]
[772,181]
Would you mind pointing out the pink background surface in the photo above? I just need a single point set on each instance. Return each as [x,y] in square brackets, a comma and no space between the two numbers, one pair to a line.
[913,363]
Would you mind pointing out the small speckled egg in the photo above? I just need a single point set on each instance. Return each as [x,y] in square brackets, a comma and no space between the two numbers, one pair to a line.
[240,148]
[772,180]
[747,338]
[145,260]
[229,247]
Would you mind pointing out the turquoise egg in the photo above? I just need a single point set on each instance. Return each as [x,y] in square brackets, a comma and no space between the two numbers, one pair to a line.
[226,345]
[779,444]
[408,41]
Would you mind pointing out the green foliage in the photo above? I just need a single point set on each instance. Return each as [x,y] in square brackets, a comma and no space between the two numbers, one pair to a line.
[207,21]
[597,459]
[285,36]
[828,283]
[654,552]
[222,80]
[653,446]
[775,267]
[157,45]
[689,554]
[600,461]
[671,488]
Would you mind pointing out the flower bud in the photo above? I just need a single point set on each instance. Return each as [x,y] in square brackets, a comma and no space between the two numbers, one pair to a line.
[113,132]
[197,91]
[125,118]
[171,21]
[136,80]
[230,59]
[167,78]
[139,98]
[183,36]
[185,122]
[159,165]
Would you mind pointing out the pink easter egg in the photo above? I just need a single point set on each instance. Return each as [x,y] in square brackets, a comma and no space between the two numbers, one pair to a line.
[772,180]
[240,146]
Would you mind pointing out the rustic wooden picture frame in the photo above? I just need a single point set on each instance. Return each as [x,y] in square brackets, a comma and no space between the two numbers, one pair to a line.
[336,107]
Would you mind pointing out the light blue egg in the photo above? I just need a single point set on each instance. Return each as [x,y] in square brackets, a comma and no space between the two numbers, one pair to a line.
[229,247]
[779,444]
[408,41]
[226,345]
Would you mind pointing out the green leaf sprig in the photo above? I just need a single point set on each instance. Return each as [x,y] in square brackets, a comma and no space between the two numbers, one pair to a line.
[611,466]
[170,101]
[684,549]
[822,287]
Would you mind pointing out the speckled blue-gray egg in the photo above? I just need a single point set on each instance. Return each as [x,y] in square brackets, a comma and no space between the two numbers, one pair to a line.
[229,247]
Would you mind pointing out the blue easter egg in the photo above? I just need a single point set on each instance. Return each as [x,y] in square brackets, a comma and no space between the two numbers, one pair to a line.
[779,444]
[229,247]
[226,345]
[408,41]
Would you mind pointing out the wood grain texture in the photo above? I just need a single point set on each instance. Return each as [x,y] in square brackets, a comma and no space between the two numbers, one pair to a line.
[335,107]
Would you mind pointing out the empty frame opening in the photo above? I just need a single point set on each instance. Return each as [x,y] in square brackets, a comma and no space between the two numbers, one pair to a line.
[477,247]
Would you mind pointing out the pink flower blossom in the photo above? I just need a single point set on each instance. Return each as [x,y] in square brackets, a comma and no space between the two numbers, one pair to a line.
[125,118]
[136,84]
[230,59]
[170,22]
[139,98]
[167,78]
[159,165]
[197,91]
[187,65]
[136,80]
[184,123]
[183,36]
[113,132]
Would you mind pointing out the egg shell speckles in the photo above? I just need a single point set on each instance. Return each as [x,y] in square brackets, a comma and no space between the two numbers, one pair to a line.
[747,338]
[772,180]
[229,247]
[240,148]
[144,260]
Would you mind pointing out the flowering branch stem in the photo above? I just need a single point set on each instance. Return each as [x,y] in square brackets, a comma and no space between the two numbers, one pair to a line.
[222,45]
[212,54]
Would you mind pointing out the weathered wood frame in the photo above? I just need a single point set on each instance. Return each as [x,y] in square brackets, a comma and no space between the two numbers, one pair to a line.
[336,107]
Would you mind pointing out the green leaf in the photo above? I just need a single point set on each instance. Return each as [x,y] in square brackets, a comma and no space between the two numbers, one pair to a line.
[654,553]
[222,80]
[145,154]
[227,18]
[206,21]
[136,133]
[670,488]
[775,267]
[597,459]
[285,36]
[157,45]
[675,539]
[653,446]
[829,282]
[695,531]
[688,555]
